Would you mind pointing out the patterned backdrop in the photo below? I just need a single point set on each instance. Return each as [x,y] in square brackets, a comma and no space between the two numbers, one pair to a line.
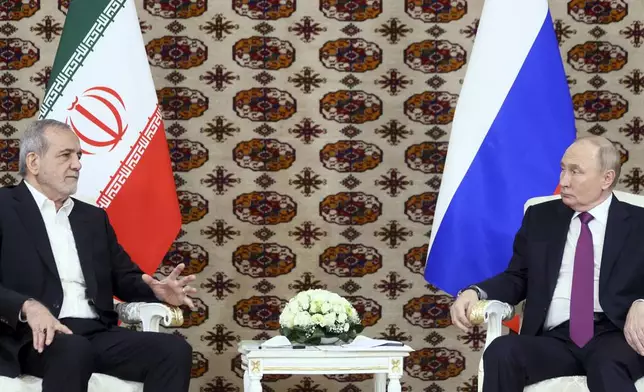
[308,139]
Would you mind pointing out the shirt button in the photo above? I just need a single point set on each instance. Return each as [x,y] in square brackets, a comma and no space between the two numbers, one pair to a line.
[56,306]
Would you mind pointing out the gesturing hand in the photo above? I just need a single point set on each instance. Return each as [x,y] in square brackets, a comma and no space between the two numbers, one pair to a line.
[43,324]
[634,327]
[173,290]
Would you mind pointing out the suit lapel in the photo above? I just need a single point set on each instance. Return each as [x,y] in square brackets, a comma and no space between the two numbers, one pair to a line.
[617,229]
[557,245]
[83,240]
[34,224]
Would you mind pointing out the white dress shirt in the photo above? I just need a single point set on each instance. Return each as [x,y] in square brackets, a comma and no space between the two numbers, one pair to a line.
[63,246]
[559,310]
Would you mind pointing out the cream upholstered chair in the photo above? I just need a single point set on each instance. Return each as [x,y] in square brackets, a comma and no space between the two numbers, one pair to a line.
[492,313]
[150,315]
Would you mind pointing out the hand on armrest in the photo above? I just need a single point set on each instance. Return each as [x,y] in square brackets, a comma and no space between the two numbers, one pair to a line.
[483,310]
[462,307]
[492,313]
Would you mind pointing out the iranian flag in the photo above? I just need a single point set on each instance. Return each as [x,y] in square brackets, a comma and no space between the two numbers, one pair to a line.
[102,87]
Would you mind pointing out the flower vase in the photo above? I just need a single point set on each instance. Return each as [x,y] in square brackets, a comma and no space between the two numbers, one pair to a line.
[330,341]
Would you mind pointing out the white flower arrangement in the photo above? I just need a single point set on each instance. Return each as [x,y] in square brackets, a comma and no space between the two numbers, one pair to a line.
[315,314]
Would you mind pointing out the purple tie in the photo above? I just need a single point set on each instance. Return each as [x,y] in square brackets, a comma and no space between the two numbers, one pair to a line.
[582,301]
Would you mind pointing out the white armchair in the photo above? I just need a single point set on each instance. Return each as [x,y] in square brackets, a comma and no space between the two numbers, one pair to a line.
[493,313]
[150,315]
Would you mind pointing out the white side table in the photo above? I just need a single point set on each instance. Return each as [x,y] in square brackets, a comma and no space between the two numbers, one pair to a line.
[384,362]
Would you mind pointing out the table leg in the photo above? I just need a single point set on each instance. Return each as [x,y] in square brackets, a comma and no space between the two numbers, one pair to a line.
[380,382]
[255,383]
[394,383]
[246,381]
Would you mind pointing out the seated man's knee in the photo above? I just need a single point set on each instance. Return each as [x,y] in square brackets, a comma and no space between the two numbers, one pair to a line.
[605,363]
[73,349]
[182,348]
[502,349]
[613,360]
[176,348]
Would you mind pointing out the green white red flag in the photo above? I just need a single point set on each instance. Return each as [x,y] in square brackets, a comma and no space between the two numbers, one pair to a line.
[102,87]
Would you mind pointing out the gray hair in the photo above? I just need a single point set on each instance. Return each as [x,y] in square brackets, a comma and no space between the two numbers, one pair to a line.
[34,140]
[608,156]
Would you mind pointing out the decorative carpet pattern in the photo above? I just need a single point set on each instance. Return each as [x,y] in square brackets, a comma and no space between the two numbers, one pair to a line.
[308,140]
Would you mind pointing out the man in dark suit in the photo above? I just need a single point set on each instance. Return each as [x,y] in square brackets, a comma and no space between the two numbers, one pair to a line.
[579,264]
[60,266]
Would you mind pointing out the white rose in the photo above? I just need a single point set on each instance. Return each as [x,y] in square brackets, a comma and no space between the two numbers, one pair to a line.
[285,312]
[319,320]
[302,319]
[326,308]
[287,319]
[342,317]
[315,306]
[329,318]
[293,307]
[303,301]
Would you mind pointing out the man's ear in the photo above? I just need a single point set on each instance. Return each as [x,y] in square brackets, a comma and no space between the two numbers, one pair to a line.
[33,163]
[609,179]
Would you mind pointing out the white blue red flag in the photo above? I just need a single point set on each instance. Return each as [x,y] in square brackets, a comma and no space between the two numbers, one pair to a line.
[513,122]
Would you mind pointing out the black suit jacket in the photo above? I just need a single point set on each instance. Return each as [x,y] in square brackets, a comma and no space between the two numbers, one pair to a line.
[28,269]
[538,251]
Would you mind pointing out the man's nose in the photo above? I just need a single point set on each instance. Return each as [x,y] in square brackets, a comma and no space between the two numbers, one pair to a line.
[76,164]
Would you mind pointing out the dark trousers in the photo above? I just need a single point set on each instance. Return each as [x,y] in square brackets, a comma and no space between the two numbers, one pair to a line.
[512,362]
[161,361]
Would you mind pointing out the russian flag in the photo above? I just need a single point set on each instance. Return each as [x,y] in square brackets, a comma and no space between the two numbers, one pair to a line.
[513,122]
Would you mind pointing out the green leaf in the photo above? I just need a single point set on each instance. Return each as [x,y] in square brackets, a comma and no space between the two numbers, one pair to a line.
[318,333]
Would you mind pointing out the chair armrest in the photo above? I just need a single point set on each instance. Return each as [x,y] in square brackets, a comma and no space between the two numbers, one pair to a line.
[150,315]
[492,313]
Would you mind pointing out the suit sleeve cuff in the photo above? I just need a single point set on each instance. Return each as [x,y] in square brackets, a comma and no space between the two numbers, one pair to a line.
[10,307]
[482,294]
[479,291]
[21,317]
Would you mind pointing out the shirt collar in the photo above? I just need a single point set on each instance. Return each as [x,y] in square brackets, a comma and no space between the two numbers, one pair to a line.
[42,200]
[600,211]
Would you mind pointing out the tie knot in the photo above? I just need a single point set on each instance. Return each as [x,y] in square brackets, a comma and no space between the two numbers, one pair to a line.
[585,217]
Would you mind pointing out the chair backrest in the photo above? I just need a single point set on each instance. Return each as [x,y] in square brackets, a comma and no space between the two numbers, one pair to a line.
[637,200]
[630,198]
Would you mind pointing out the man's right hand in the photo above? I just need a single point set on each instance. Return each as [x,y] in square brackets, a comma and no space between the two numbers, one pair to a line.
[461,308]
[43,324]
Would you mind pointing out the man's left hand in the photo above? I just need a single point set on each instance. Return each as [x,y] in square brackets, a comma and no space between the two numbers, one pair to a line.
[634,327]
[173,290]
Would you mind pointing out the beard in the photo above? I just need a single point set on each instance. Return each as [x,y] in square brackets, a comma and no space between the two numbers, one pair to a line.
[62,189]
